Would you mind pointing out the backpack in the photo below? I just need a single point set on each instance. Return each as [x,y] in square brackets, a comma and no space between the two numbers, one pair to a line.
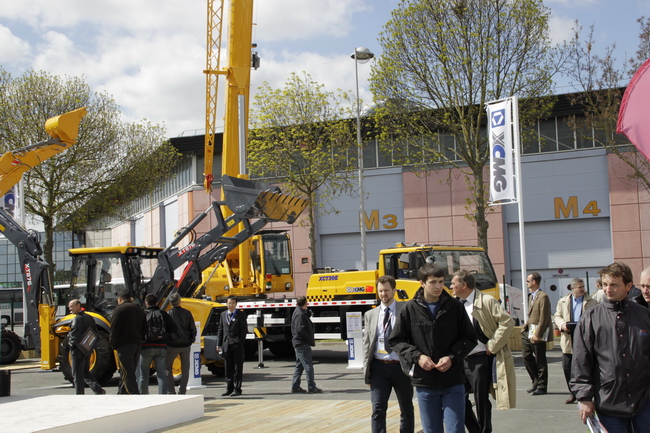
[156,326]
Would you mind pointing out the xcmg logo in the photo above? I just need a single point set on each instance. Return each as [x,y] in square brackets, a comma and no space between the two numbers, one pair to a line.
[500,183]
[360,289]
[328,278]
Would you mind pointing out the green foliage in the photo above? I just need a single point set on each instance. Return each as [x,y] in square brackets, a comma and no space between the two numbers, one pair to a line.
[111,162]
[300,137]
[443,61]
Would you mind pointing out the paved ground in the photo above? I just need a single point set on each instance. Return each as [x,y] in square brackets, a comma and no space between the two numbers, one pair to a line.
[267,404]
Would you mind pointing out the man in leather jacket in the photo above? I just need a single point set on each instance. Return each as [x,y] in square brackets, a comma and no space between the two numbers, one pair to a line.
[611,354]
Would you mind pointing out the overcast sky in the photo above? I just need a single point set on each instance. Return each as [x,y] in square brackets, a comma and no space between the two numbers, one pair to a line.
[149,55]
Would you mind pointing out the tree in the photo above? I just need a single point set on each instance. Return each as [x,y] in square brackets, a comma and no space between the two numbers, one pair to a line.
[599,80]
[442,61]
[111,163]
[300,137]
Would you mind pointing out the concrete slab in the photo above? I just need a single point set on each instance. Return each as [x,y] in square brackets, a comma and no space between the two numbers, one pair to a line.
[99,413]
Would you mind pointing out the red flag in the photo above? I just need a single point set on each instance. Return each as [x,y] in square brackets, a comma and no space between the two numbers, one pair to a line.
[634,115]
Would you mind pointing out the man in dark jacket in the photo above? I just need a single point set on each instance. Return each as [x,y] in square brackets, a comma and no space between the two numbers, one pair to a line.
[434,333]
[154,345]
[611,355]
[180,343]
[128,328]
[302,331]
[80,361]
[231,338]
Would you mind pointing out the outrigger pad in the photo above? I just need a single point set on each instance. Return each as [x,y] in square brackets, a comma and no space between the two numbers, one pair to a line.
[251,199]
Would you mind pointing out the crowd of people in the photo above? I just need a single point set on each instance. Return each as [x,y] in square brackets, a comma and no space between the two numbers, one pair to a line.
[442,349]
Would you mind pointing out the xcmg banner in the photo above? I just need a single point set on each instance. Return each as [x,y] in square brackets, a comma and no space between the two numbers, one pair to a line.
[502,182]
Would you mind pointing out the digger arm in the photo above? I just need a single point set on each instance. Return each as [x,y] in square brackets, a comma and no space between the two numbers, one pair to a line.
[63,129]
[247,200]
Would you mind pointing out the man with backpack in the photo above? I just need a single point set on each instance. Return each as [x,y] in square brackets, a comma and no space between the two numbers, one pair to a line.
[154,346]
[180,343]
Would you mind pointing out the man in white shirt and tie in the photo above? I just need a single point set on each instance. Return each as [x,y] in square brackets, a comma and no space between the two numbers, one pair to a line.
[489,367]
[381,365]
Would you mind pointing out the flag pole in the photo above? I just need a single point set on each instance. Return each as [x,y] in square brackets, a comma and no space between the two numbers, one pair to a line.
[520,203]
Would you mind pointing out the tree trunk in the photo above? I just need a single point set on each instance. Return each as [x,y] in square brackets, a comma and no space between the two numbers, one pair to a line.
[480,214]
[312,234]
[48,246]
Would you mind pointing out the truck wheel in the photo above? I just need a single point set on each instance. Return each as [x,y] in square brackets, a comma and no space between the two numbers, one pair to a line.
[216,368]
[102,361]
[282,349]
[10,347]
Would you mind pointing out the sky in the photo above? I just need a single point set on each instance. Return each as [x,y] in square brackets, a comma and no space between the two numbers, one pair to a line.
[150,55]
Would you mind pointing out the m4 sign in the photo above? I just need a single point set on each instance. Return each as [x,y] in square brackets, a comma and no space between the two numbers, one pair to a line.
[570,208]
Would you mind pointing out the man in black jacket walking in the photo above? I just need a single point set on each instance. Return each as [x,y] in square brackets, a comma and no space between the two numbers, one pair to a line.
[154,346]
[180,343]
[434,333]
[128,328]
[611,354]
[80,361]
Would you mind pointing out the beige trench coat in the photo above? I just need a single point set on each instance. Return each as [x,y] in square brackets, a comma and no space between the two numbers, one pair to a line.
[497,326]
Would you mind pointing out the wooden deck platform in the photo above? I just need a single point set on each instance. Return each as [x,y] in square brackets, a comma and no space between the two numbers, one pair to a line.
[284,416]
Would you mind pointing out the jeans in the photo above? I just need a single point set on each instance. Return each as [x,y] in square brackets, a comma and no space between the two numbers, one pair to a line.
[383,378]
[172,353]
[128,357]
[305,363]
[638,423]
[438,404]
[157,355]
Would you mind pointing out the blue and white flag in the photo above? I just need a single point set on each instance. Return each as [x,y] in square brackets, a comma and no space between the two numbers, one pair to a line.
[502,182]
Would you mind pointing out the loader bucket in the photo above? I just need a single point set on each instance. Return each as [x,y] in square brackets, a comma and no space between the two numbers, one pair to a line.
[65,127]
[250,199]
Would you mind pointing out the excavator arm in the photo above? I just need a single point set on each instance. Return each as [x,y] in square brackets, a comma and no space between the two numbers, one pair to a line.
[253,204]
[37,287]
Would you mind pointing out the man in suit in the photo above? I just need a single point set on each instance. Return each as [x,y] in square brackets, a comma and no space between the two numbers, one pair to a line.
[381,365]
[568,312]
[534,335]
[493,329]
[230,341]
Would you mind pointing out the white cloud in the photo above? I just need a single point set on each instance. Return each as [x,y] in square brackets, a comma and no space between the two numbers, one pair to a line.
[13,50]
[561,29]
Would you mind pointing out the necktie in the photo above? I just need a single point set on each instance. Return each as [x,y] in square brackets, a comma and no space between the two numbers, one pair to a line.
[388,328]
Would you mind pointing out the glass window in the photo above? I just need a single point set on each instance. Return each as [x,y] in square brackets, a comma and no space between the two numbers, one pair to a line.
[369,154]
[548,138]
[529,139]
[565,136]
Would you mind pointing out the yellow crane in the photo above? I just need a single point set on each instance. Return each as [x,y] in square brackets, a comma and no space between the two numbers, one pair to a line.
[241,59]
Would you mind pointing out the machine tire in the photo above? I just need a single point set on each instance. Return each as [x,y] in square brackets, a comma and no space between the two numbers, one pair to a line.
[11,347]
[216,368]
[102,362]
[282,349]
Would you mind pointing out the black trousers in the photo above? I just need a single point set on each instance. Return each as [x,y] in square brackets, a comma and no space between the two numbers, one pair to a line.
[534,355]
[234,367]
[383,379]
[566,366]
[81,372]
[128,357]
[478,371]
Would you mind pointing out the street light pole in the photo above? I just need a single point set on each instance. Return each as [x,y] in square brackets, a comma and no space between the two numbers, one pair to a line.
[361,55]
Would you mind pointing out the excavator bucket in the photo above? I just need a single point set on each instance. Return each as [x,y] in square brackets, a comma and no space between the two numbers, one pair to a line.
[65,127]
[251,199]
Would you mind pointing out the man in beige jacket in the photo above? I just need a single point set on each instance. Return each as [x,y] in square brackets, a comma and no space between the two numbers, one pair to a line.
[568,312]
[493,327]
[535,334]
